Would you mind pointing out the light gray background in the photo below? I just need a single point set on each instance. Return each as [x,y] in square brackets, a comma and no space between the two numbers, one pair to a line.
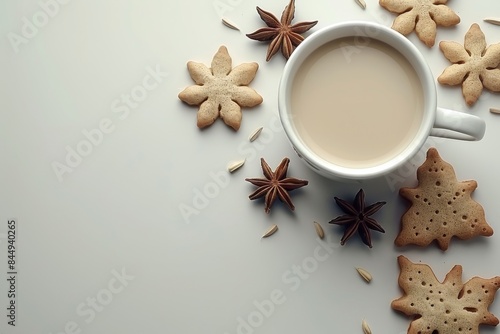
[119,210]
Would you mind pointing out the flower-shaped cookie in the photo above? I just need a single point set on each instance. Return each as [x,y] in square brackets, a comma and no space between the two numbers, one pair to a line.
[474,65]
[422,16]
[221,90]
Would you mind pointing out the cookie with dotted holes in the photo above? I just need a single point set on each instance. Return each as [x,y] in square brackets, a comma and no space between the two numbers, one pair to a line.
[441,207]
[448,307]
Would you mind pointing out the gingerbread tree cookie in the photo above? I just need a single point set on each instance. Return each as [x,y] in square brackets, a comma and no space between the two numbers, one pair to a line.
[423,16]
[448,307]
[441,207]
[221,90]
[474,65]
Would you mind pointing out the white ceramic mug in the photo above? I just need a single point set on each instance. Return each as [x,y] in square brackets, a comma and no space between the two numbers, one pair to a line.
[434,122]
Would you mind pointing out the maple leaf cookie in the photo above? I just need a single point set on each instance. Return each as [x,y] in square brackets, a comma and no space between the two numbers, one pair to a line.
[474,65]
[221,90]
[448,307]
[441,207]
[423,16]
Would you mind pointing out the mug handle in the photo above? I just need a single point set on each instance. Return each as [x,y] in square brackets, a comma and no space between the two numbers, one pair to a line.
[457,125]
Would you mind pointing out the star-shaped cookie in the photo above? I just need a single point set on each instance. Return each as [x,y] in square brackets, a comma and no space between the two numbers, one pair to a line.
[423,16]
[221,90]
[474,65]
[441,207]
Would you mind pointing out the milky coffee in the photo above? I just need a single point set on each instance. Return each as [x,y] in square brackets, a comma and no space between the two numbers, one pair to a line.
[356,106]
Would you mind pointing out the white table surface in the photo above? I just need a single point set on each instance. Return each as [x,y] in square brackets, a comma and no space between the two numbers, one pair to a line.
[106,248]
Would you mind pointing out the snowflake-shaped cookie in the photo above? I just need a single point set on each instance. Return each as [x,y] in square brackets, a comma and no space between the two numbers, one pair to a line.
[423,16]
[221,90]
[448,307]
[474,65]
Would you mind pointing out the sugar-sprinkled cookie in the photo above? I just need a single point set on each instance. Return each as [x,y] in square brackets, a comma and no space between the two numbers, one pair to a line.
[474,65]
[423,16]
[221,90]
[441,207]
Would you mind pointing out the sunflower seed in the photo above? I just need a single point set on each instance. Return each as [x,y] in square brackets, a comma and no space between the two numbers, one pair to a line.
[255,134]
[365,274]
[271,231]
[495,110]
[365,327]
[233,166]
[229,24]
[319,230]
[361,3]
[492,21]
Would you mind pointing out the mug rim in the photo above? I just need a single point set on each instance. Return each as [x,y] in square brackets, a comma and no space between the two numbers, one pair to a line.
[394,39]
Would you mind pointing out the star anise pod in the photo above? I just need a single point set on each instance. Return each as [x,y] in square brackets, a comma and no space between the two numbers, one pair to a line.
[357,218]
[281,33]
[275,185]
